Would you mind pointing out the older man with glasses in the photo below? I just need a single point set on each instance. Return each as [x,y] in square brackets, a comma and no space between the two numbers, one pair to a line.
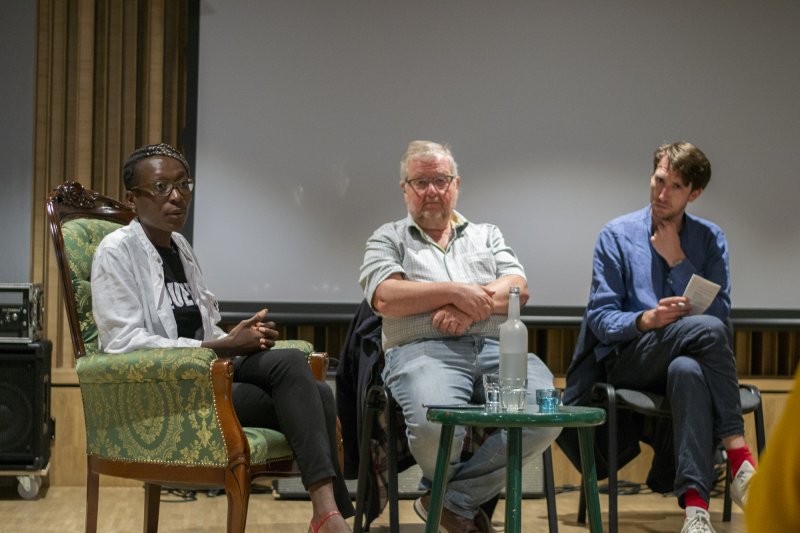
[440,284]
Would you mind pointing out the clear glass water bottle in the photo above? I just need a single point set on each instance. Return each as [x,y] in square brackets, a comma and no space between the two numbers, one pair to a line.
[513,357]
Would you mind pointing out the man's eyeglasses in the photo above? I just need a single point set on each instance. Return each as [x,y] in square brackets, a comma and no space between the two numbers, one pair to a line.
[164,188]
[442,183]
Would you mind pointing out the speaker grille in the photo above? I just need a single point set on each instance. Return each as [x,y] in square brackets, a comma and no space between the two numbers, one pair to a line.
[25,425]
[16,411]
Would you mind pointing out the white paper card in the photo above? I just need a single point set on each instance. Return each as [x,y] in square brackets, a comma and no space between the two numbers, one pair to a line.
[701,293]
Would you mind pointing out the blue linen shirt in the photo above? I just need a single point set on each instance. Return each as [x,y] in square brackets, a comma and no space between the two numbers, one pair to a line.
[629,277]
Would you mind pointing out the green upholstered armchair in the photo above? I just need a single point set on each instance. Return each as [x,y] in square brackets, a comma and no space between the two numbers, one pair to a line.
[162,416]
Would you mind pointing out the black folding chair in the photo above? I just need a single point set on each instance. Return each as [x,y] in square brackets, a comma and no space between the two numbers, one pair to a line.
[650,404]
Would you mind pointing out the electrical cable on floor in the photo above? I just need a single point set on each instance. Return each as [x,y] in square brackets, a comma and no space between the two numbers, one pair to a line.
[624,488]
[173,495]
[255,488]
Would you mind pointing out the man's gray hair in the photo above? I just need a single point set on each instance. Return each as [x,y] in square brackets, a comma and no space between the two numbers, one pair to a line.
[426,150]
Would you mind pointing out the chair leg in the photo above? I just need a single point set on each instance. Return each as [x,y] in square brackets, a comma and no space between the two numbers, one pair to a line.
[726,505]
[611,413]
[237,488]
[610,405]
[550,490]
[394,491]
[92,494]
[760,436]
[374,401]
[152,501]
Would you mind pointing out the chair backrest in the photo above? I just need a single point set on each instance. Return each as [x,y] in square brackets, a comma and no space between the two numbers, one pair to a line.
[78,219]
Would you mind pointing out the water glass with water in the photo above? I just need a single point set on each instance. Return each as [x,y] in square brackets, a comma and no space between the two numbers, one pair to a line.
[491,385]
[513,394]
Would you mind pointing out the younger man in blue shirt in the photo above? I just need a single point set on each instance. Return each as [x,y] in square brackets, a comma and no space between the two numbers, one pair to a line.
[647,338]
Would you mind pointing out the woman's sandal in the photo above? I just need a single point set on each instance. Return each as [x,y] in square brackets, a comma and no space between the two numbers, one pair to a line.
[315,526]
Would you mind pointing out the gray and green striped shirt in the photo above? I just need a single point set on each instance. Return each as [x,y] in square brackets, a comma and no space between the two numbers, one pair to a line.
[477,253]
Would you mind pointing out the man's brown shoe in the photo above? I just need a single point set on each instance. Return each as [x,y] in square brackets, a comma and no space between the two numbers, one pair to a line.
[483,522]
[450,522]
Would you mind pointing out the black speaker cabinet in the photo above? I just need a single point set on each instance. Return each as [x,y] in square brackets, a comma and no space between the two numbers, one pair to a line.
[26,428]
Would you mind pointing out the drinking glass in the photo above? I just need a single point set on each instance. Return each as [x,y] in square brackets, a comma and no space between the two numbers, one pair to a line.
[548,400]
[491,385]
[513,394]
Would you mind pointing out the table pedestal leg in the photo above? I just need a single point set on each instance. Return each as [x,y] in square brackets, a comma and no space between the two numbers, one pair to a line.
[589,475]
[440,479]
[514,481]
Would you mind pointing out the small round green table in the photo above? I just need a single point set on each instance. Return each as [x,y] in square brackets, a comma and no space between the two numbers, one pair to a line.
[582,418]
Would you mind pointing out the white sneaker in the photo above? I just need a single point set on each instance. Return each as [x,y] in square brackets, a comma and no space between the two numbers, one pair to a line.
[699,522]
[741,482]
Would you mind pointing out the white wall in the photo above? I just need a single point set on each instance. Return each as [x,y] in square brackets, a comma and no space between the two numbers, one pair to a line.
[17,57]
[553,110]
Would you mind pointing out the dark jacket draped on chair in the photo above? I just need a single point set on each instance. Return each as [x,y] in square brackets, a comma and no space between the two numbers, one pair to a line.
[360,365]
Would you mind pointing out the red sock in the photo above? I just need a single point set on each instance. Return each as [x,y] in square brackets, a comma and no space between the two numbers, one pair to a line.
[691,498]
[738,456]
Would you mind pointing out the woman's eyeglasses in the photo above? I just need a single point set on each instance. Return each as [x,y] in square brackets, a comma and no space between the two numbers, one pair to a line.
[164,188]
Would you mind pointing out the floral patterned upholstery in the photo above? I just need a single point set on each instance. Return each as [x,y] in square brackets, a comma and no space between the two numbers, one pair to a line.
[158,406]
[154,406]
[81,237]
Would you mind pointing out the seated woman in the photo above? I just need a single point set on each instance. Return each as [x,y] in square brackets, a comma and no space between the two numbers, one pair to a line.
[148,292]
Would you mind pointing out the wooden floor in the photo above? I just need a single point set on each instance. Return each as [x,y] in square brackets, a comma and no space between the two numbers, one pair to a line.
[60,509]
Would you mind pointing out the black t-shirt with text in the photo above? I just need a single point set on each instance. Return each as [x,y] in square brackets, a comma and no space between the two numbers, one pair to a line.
[187,314]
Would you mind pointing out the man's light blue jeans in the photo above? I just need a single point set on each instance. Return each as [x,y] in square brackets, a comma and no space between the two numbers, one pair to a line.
[449,371]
